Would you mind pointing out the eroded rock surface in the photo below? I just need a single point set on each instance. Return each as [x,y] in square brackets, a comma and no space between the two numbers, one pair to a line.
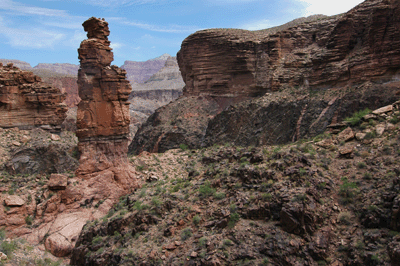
[355,47]
[26,102]
[103,113]
[288,82]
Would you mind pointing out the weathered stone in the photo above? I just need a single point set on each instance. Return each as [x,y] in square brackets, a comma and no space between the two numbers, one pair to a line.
[360,135]
[346,151]
[103,113]
[58,245]
[345,135]
[55,137]
[14,201]
[383,110]
[379,129]
[3,256]
[57,181]
[325,143]
[26,102]
[316,53]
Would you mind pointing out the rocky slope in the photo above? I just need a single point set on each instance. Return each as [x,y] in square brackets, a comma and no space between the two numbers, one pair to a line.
[330,200]
[141,71]
[312,61]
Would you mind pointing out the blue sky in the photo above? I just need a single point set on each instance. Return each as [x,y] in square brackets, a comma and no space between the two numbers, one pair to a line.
[50,31]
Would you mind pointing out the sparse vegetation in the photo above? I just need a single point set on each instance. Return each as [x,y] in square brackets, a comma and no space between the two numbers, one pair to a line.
[356,119]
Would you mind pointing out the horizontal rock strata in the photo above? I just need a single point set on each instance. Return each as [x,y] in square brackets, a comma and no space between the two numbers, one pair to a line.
[26,102]
[358,46]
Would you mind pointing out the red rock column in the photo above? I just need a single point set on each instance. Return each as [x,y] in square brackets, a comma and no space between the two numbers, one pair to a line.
[103,113]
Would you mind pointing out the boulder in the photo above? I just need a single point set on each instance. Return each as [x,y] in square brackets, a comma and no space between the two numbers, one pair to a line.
[14,201]
[346,135]
[57,182]
[383,110]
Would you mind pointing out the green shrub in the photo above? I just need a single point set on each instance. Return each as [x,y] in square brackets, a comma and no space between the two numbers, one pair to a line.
[357,117]
[219,195]
[348,191]
[8,247]
[186,233]
[202,241]
[97,240]
[361,165]
[196,219]
[156,202]
[206,190]
[266,196]
[234,218]
[29,220]
[139,206]
[183,147]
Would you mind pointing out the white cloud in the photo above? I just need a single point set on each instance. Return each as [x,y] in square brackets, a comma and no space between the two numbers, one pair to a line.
[150,27]
[22,9]
[257,25]
[31,38]
[329,7]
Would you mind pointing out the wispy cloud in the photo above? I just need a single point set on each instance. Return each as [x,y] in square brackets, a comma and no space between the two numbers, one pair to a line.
[31,38]
[257,25]
[22,9]
[329,7]
[150,27]
[229,2]
[118,3]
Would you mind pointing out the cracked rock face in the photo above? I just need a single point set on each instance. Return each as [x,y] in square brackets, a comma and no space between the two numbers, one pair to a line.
[358,46]
[26,102]
[103,113]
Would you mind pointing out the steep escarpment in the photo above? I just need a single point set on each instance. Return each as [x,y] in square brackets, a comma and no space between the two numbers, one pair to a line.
[347,49]
[27,102]
[280,119]
[310,62]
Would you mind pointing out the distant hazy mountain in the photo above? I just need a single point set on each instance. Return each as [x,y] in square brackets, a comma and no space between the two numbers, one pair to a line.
[161,88]
[64,68]
[141,71]
[20,64]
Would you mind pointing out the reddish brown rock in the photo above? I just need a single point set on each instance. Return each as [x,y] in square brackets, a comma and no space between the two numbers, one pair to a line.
[103,113]
[26,102]
[57,181]
[13,201]
[358,46]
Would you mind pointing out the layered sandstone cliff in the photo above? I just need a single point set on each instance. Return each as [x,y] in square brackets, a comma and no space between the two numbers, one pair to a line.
[310,67]
[26,102]
[361,45]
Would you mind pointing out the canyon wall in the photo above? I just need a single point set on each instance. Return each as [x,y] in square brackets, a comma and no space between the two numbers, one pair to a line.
[26,102]
[306,73]
[361,45]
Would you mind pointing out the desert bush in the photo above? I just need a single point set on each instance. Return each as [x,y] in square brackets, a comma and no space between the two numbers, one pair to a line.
[357,117]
